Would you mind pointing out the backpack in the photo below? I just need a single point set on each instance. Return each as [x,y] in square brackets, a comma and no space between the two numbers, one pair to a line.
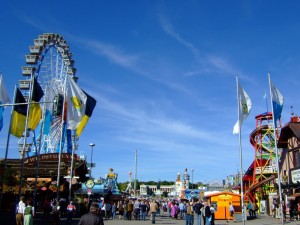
[28,210]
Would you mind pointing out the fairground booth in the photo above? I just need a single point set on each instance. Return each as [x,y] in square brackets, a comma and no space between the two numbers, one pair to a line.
[220,201]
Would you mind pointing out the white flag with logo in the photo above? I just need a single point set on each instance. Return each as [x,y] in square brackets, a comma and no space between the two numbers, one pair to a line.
[76,101]
[244,108]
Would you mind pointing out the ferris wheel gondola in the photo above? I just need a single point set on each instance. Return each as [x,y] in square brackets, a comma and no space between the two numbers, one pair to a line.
[49,61]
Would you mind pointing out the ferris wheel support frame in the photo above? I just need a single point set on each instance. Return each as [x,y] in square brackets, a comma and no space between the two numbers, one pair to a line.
[48,44]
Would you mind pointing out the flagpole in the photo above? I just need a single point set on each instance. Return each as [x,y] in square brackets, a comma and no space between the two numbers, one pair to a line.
[6,149]
[276,153]
[38,153]
[61,137]
[25,135]
[72,162]
[241,152]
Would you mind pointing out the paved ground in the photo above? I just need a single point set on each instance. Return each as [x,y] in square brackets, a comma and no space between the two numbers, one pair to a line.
[165,220]
[261,220]
[6,217]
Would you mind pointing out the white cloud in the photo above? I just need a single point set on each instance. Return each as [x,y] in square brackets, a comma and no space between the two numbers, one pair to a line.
[167,26]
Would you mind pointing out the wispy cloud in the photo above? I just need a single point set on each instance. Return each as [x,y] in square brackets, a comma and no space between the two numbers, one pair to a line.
[141,122]
[209,63]
[138,63]
[114,54]
[167,26]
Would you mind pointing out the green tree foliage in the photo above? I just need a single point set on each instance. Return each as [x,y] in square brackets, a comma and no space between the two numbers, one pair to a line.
[122,186]
[9,177]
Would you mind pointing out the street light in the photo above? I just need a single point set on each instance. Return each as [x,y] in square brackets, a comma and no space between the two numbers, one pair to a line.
[92,146]
[192,179]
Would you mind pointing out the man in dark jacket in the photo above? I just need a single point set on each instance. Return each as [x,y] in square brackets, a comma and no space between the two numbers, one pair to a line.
[92,217]
[197,209]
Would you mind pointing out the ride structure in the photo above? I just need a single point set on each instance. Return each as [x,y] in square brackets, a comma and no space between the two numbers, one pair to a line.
[108,187]
[259,179]
[48,150]
[49,61]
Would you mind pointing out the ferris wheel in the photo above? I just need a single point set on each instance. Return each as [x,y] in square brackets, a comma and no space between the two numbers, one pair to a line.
[49,61]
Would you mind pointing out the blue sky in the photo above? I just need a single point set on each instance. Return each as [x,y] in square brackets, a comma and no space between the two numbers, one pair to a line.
[163,74]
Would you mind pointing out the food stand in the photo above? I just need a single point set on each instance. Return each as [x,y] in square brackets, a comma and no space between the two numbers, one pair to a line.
[220,201]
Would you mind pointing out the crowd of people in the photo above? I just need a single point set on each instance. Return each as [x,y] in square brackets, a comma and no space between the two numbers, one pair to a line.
[130,209]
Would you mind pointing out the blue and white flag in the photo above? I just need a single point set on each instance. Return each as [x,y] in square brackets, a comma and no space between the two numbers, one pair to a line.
[244,107]
[277,101]
[4,99]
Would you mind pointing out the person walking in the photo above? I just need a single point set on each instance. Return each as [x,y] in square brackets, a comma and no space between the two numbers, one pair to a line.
[70,211]
[136,208]
[129,210]
[92,217]
[120,209]
[249,207]
[189,217]
[107,207]
[153,209]
[174,211]
[197,210]
[298,211]
[20,211]
[212,211]
[283,210]
[47,209]
[182,210]
[207,214]
[143,210]
[254,209]
[231,212]
[114,211]
[56,213]
[125,207]
[29,213]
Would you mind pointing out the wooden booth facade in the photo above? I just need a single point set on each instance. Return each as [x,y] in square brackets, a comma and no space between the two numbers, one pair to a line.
[220,201]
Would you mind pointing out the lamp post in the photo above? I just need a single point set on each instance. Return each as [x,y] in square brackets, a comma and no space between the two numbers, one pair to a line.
[92,148]
[192,179]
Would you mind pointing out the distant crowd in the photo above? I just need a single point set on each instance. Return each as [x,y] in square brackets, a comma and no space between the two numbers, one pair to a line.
[130,209]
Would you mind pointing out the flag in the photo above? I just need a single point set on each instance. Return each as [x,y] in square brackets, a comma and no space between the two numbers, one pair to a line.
[89,107]
[4,99]
[244,107]
[35,112]
[76,100]
[277,101]
[19,114]
[48,110]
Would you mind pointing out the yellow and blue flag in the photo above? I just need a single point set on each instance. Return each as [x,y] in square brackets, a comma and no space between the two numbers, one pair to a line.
[19,114]
[80,107]
[35,112]
[89,108]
